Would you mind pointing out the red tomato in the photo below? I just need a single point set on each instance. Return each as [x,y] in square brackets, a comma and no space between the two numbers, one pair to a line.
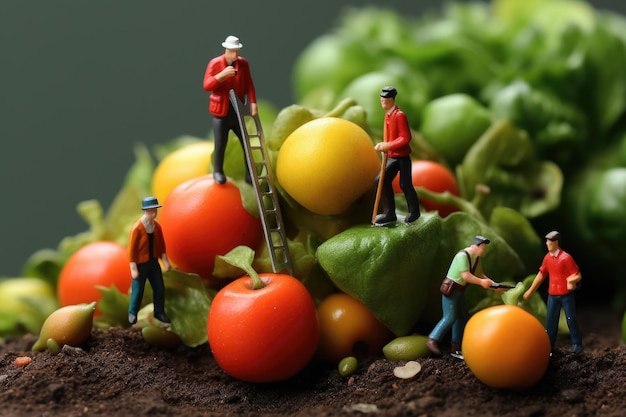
[349,328]
[202,219]
[263,335]
[95,264]
[434,177]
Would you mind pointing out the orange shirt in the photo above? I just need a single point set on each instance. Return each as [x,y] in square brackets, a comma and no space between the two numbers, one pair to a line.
[139,244]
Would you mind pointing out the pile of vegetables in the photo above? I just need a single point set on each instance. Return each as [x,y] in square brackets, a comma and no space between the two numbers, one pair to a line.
[553,69]
[523,101]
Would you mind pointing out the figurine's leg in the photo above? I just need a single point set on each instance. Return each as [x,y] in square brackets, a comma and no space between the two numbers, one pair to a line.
[136,295]
[220,139]
[387,200]
[158,292]
[459,325]
[239,135]
[406,184]
[449,308]
[552,318]
[569,307]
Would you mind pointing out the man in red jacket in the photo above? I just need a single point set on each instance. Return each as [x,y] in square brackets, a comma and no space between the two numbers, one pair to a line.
[145,247]
[224,73]
[396,145]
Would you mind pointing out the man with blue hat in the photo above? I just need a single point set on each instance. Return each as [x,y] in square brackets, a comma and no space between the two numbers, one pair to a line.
[146,246]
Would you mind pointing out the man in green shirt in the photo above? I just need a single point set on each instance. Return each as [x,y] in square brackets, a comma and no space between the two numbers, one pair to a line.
[455,313]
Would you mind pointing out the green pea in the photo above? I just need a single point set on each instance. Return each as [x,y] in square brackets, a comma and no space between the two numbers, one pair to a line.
[347,366]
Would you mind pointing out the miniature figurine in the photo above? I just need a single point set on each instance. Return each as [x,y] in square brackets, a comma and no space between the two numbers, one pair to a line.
[224,73]
[397,135]
[455,313]
[145,247]
[564,276]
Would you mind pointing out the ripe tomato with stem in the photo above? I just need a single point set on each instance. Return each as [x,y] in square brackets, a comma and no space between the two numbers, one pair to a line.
[262,327]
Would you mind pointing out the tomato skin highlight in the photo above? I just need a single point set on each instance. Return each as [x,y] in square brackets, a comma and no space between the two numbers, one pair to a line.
[264,335]
[95,264]
[434,177]
[202,219]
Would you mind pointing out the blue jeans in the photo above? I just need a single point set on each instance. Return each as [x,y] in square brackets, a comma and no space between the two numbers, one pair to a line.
[150,270]
[455,315]
[568,302]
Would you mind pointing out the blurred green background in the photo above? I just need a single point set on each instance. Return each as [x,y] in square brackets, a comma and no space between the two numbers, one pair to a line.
[84,80]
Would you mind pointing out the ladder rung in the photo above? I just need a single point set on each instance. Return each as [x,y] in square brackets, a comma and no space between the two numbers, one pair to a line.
[271,217]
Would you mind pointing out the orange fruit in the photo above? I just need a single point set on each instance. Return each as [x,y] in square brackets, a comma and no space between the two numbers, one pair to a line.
[506,347]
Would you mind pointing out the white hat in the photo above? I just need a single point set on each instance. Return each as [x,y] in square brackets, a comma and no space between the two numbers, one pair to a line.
[232,42]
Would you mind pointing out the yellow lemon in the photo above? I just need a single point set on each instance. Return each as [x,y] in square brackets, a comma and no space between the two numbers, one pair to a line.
[327,164]
[190,161]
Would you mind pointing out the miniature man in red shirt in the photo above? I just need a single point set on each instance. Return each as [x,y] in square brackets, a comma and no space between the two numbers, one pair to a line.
[396,145]
[564,276]
[146,246]
[224,73]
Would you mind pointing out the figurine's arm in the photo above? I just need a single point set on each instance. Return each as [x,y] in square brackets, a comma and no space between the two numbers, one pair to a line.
[166,262]
[132,251]
[484,282]
[382,147]
[402,135]
[214,75]
[572,280]
[134,272]
[533,287]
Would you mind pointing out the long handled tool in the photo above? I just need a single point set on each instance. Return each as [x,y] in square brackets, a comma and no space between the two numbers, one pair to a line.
[379,189]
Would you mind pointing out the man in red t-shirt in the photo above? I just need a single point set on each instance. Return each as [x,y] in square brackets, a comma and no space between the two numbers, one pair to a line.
[564,275]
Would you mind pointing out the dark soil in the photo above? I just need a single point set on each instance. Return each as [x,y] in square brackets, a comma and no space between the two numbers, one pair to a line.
[118,374]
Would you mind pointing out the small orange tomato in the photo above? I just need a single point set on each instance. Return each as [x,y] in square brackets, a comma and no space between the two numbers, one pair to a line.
[263,335]
[348,328]
[506,347]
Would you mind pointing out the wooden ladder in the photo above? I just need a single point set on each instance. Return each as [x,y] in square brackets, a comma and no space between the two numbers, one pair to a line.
[265,190]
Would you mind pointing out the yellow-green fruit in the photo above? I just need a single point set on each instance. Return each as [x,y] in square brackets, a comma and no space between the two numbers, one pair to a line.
[327,164]
[347,366]
[406,348]
[69,325]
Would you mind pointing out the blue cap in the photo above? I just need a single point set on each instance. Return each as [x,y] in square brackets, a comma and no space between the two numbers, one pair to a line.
[149,203]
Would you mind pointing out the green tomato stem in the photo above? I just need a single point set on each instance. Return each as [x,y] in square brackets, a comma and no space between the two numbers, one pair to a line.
[242,257]
[341,108]
[448,198]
